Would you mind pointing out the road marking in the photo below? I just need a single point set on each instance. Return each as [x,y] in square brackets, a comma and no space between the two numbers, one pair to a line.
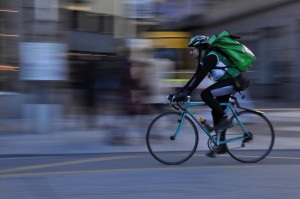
[288,158]
[170,168]
[9,172]
[41,166]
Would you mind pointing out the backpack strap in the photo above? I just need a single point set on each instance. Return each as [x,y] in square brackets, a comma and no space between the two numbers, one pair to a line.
[212,48]
[223,54]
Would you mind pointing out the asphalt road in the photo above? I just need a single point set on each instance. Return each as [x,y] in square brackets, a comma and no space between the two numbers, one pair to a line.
[139,176]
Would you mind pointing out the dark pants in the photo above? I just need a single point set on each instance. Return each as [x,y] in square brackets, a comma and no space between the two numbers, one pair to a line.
[214,101]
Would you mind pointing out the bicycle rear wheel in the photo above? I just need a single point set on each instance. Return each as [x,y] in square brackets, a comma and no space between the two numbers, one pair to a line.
[256,147]
[160,143]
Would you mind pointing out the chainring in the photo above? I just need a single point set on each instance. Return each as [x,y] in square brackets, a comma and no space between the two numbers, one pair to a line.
[212,146]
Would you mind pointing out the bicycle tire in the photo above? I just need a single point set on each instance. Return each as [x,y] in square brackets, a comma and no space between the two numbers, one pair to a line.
[256,148]
[166,150]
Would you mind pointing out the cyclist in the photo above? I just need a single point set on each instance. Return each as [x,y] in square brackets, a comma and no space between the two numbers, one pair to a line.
[214,65]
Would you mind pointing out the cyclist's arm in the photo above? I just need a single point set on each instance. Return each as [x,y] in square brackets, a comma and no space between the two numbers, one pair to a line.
[209,63]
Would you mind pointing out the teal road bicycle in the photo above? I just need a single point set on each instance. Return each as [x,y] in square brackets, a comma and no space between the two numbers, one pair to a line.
[172,137]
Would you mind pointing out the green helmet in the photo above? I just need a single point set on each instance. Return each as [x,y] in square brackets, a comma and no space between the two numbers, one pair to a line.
[199,41]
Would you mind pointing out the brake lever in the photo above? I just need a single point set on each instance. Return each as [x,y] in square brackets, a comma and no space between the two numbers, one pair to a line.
[172,102]
[173,98]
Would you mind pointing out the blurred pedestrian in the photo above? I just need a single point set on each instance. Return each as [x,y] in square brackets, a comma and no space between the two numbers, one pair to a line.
[89,87]
[123,65]
[123,105]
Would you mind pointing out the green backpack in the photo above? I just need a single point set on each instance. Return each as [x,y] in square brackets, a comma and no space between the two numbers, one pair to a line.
[237,53]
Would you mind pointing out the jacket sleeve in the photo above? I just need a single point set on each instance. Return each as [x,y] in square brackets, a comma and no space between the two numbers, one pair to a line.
[209,62]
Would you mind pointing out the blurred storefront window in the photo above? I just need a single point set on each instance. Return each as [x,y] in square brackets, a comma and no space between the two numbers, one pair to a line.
[92,22]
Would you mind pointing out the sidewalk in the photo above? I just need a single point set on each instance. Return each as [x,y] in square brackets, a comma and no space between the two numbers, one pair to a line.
[99,140]
[73,138]
[76,142]
[82,142]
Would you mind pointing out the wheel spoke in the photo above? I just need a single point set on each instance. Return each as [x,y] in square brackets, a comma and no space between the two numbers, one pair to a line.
[256,147]
[162,143]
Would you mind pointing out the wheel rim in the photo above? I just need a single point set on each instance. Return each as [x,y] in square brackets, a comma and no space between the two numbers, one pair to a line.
[166,150]
[256,148]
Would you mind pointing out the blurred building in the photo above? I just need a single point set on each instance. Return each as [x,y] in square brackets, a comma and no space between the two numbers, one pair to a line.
[10,26]
[93,28]
[270,28]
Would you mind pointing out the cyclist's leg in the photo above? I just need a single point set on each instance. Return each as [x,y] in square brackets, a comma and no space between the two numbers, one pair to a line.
[213,95]
[221,99]
[221,93]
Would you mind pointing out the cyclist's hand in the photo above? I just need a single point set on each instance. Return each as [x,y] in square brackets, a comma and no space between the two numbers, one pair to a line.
[170,97]
[181,96]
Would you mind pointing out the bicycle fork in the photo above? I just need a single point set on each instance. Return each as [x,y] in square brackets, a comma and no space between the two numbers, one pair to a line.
[180,121]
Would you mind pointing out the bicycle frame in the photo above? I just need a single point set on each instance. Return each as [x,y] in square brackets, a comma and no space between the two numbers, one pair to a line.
[229,107]
[250,139]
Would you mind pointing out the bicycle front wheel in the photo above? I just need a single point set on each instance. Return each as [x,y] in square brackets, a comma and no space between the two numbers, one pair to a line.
[162,143]
[253,140]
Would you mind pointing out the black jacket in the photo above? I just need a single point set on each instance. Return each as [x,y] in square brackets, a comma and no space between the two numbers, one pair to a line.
[209,63]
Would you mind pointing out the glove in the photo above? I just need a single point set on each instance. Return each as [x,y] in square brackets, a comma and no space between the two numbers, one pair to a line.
[170,96]
[181,96]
